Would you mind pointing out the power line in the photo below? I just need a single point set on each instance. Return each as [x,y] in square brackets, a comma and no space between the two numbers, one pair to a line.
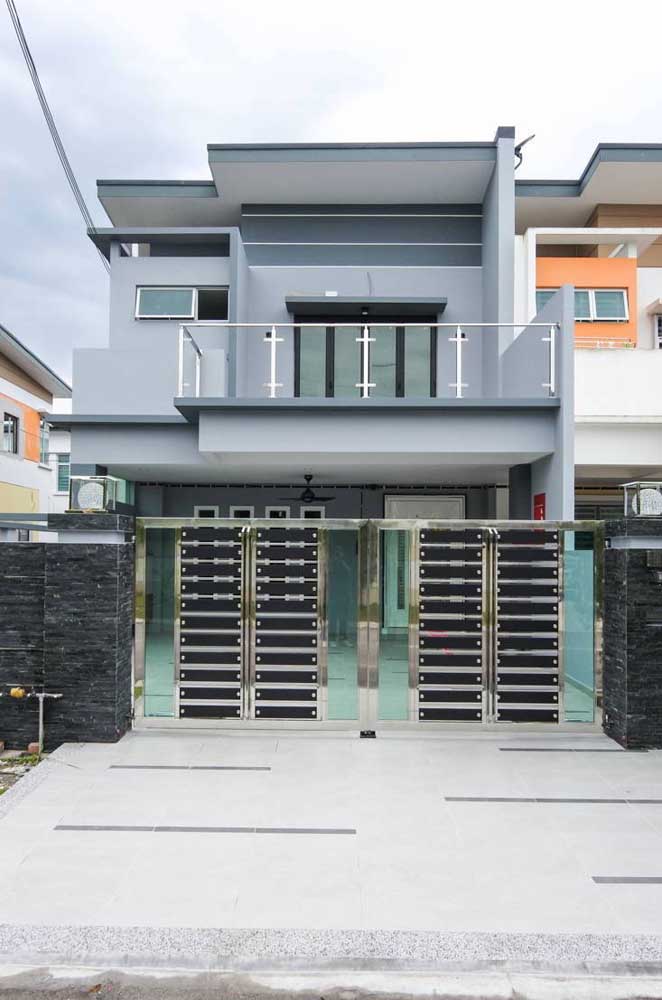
[50,121]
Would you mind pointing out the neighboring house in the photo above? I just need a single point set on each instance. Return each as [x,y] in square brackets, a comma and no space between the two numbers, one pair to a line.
[603,234]
[29,455]
[340,311]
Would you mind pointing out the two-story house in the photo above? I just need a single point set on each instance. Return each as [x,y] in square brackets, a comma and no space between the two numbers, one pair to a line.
[341,312]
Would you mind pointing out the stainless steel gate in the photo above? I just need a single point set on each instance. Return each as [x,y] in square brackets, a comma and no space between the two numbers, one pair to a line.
[485,627]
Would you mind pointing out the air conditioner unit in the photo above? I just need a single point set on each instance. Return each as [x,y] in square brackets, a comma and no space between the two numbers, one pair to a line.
[643,499]
[91,494]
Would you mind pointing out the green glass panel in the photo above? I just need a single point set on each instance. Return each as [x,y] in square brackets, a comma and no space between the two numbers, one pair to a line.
[418,357]
[342,606]
[610,304]
[159,686]
[312,361]
[63,468]
[578,627]
[543,295]
[582,304]
[393,699]
[347,362]
[382,361]
[165,302]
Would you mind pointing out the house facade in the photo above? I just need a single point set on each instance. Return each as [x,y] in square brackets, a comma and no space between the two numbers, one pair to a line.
[33,459]
[344,313]
[602,233]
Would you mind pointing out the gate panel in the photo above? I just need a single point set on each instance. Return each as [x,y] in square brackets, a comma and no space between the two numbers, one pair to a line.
[209,582]
[527,671]
[286,633]
[451,635]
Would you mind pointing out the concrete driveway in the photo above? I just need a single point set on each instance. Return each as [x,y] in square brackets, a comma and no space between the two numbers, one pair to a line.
[246,851]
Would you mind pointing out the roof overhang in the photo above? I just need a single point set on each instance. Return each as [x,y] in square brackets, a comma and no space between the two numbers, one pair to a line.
[370,308]
[102,238]
[638,238]
[615,174]
[34,367]
[323,173]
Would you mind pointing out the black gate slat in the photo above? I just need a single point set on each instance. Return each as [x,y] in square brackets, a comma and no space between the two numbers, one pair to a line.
[511,679]
[268,676]
[450,642]
[263,694]
[432,676]
[286,712]
[454,695]
[523,714]
[528,642]
[448,658]
[449,714]
[190,693]
[212,675]
[209,712]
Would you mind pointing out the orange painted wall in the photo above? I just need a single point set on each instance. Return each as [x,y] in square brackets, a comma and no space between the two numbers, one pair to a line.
[28,429]
[594,272]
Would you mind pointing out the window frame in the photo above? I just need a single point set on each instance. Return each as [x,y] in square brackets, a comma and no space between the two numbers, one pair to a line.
[242,506]
[58,456]
[305,509]
[400,327]
[593,317]
[44,440]
[268,511]
[193,317]
[205,507]
[14,434]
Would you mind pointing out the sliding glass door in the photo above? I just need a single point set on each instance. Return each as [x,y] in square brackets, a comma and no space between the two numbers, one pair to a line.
[329,360]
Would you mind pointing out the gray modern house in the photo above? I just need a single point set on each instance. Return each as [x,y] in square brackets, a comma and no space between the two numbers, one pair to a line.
[342,312]
[327,332]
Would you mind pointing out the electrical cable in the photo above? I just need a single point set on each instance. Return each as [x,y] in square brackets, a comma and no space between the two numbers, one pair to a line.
[50,121]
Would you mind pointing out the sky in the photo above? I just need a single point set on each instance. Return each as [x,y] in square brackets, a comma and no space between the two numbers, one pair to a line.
[138,88]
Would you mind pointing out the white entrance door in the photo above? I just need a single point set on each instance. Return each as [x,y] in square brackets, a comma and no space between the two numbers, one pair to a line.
[396,549]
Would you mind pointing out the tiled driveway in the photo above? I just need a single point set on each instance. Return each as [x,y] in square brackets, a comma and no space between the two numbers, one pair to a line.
[211,830]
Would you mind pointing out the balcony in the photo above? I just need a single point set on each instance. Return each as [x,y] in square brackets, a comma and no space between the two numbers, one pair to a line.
[422,365]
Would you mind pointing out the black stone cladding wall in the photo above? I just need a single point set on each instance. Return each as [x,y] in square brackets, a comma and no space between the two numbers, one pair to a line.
[632,680]
[66,619]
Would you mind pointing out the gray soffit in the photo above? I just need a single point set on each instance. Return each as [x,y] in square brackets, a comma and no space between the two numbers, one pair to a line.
[349,305]
[102,238]
[617,173]
[190,407]
[16,352]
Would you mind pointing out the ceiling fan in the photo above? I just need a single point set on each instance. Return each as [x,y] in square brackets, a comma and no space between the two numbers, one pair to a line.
[308,494]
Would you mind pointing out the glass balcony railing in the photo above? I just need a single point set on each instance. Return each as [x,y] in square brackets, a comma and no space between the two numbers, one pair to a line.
[362,361]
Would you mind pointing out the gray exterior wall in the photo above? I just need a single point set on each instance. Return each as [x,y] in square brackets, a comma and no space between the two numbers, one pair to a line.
[498,261]
[461,253]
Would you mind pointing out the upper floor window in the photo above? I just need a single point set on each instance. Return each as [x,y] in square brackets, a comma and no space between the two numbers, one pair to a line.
[592,305]
[195,304]
[658,330]
[44,432]
[63,471]
[10,434]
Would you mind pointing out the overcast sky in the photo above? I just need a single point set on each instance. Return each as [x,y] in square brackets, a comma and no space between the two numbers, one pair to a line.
[138,88]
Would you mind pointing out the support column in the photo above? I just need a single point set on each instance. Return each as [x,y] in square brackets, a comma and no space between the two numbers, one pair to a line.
[632,677]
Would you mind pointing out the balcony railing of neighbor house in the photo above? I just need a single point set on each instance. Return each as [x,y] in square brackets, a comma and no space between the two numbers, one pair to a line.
[364,361]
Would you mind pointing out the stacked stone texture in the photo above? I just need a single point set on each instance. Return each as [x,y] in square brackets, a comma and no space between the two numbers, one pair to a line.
[66,620]
[632,680]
